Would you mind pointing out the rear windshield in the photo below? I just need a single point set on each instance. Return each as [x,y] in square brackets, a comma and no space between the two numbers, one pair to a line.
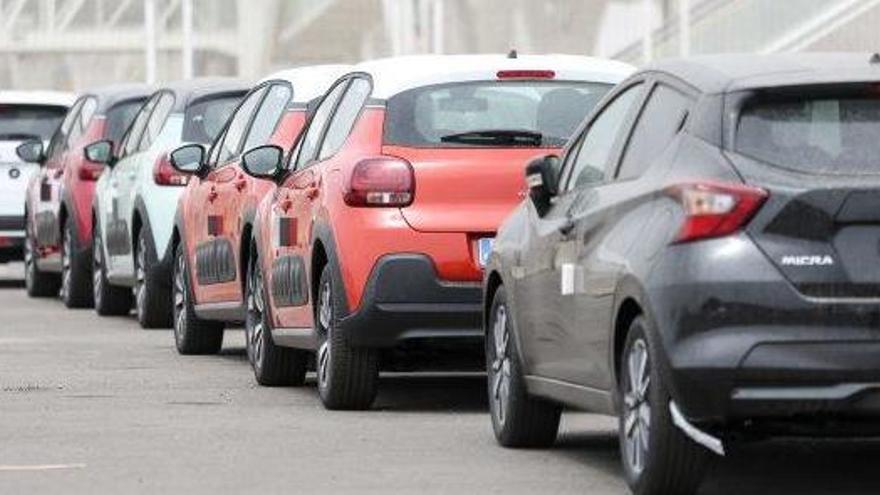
[21,122]
[205,118]
[119,117]
[819,135]
[428,116]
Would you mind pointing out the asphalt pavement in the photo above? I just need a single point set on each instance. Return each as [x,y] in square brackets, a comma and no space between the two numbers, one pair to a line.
[97,405]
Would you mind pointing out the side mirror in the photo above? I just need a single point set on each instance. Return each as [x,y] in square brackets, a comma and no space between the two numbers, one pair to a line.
[31,151]
[188,159]
[263,162]
[542,177]
[100,152]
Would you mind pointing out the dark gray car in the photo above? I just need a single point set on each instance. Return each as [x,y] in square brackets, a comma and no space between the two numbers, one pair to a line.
[703,262]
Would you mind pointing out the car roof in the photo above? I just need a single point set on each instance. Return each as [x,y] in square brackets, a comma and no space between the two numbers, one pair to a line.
[736,72]
[191,90]
[395,75]
[311,81]
[52,98]
[113,94]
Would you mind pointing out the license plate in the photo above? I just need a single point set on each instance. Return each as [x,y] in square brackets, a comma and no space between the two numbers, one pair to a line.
[484,249]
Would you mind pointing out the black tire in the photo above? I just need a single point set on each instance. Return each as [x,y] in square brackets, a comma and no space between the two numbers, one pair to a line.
[192,335]
[109,300]
[658,459]
[518,419]
[37,282]
[152,293]
[348,377]
[76,276]
[273,365]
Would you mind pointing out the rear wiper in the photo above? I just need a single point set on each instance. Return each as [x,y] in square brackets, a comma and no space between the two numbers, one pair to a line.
[19,136]
[496,137]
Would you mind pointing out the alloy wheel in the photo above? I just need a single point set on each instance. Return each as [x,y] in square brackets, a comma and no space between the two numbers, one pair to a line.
[256,307]
[97,270]
[325,327]
[66,249]
[637,407]
[140,275]
[501,364]
[29,263]
[179,295]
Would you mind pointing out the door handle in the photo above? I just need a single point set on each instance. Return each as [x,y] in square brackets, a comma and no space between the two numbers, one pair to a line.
[212,195]
[566,228]
[58,173]
[241,183]
[312,192]
[285,204]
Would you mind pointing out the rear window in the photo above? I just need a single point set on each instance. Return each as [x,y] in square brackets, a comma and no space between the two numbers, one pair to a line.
[119,117]
[819,135]
[20,122]
[205,118]
[422,117]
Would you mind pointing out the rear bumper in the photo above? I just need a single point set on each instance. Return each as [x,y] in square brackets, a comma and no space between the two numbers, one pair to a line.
[404,300]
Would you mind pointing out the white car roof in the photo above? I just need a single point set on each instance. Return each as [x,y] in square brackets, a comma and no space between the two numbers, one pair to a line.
[310,82]
[54,98]
[395,75]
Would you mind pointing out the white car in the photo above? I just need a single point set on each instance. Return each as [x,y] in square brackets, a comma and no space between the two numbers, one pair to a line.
[135,199]
[24,116]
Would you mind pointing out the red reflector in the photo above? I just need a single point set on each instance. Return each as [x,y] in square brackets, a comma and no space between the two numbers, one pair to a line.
[526,74]
[715,209]
[381,181]
[164,174]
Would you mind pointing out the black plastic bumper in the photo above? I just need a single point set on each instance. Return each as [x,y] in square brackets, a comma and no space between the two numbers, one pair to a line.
[404,300]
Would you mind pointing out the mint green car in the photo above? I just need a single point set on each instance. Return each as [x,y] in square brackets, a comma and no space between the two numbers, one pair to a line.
[136,198]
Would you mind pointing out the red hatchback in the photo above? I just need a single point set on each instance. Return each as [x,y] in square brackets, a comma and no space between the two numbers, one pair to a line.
[386,210]
[58,242]
[212,232]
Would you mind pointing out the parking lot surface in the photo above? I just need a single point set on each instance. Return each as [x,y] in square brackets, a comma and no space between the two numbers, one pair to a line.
[96,405]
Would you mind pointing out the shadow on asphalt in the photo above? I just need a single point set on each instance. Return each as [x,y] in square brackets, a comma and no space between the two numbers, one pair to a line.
[8,283]
[432,393]
[234,354]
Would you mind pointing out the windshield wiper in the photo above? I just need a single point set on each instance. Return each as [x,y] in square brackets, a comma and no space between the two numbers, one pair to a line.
[18,136]
[496,137]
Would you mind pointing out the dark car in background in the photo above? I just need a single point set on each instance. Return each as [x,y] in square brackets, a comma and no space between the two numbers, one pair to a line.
[703,261]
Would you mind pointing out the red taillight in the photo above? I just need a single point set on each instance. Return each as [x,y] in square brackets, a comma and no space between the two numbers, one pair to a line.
[90,171]
[714,209]
[164,174]
[526,74]
[381,181]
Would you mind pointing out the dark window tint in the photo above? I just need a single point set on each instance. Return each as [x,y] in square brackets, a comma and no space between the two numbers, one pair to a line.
[157,120]
[423,116]
[28,121]
[308,145]
[345,117]
[820,135]
[205,118]
[597,145]
[134,133]
[235,132]
[659,123]
[268,116]
[120,116]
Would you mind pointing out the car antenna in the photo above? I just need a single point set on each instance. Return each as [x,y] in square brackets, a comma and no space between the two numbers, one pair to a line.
[512,53]
[875,59]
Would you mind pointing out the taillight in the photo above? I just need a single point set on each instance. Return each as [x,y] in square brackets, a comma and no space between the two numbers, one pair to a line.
[381,181]
[715,209]
[164,174]
[90,171]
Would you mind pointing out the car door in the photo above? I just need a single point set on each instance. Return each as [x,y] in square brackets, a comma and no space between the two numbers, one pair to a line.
[291,218]
[113,194]
[213,254]
[552,333]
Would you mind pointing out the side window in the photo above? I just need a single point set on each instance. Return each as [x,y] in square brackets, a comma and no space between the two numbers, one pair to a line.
[598,142]
[231,144]
[346,114]
[308,145]
[214,152]
[59,140]
[659,123]
[133,135]
[83,120]
[267,117]
[157,120]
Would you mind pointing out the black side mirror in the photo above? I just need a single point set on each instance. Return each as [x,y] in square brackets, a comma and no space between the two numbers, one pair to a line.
[188,159]
[542,177]
[263,162]
[31,151]
[100,152]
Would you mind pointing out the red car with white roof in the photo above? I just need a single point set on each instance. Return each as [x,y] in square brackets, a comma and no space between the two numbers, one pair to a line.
[386,210]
